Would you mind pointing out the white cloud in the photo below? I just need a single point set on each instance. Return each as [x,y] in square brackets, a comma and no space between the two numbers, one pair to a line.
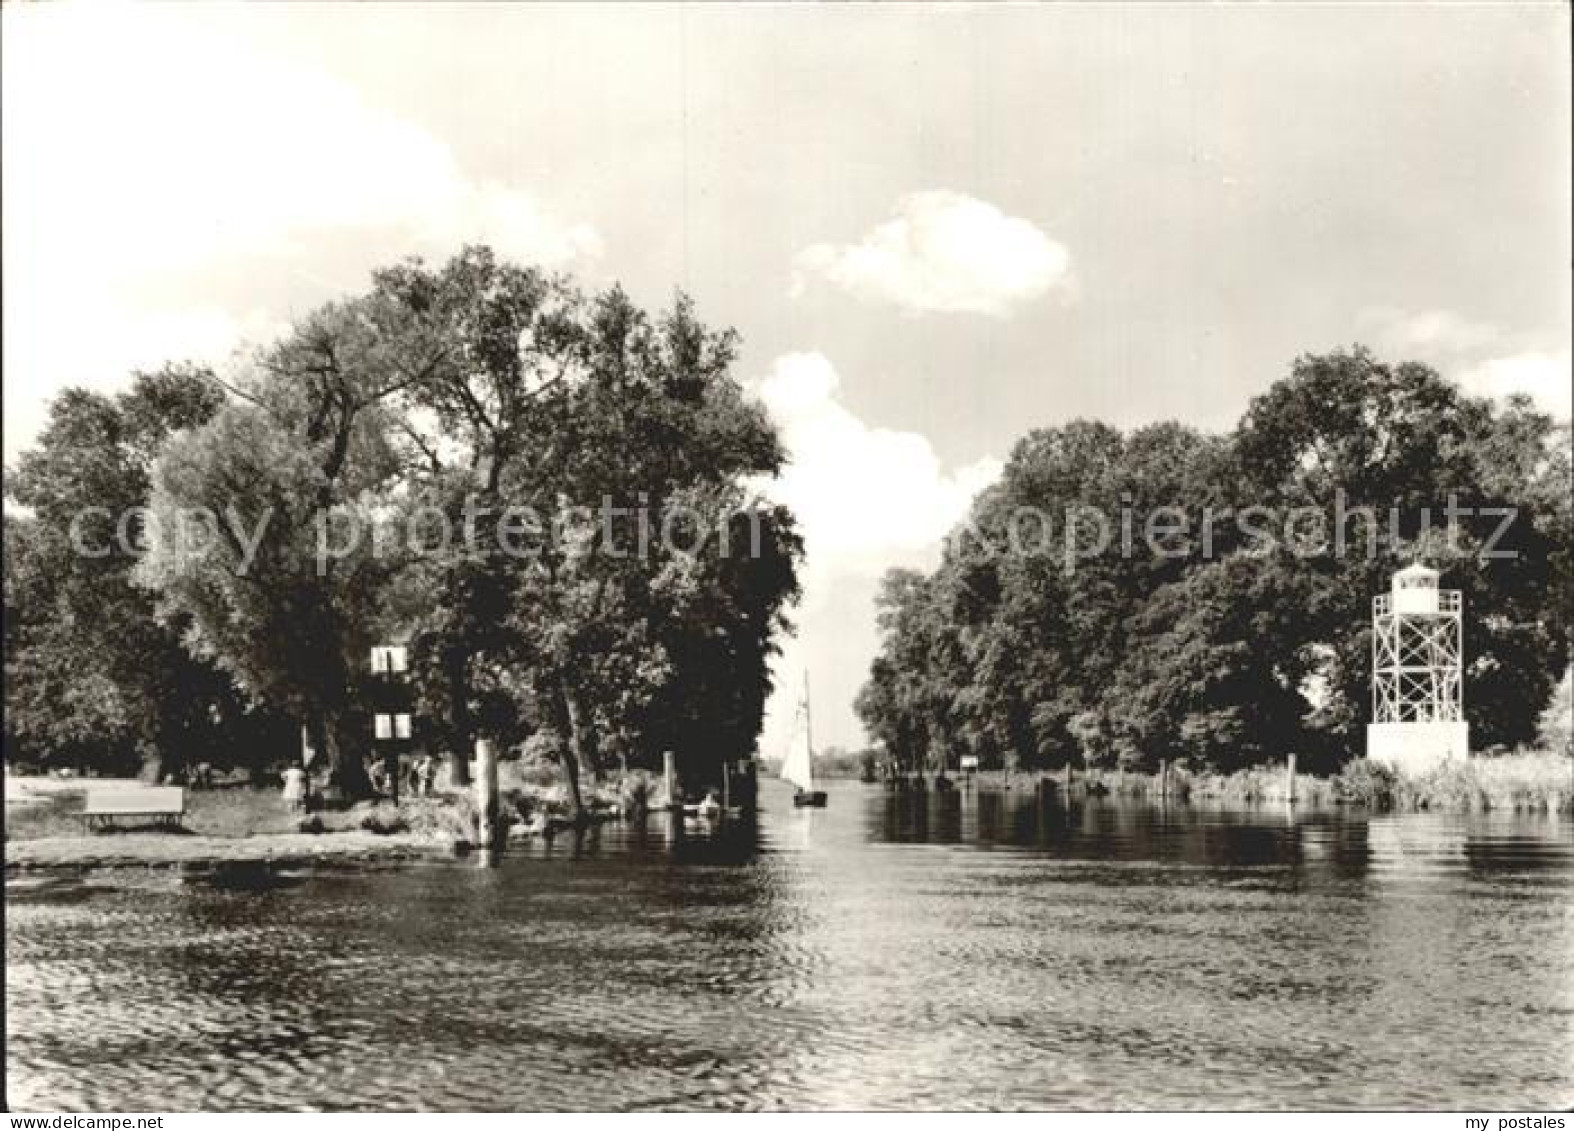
[1425,331]
[944,252]
[867,499]
[1546,378]
[146,146]
[149,140]
[146,341]
[1484,359]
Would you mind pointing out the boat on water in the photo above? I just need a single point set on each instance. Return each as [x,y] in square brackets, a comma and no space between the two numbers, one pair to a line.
[798,767]
[706,810]
[736,799]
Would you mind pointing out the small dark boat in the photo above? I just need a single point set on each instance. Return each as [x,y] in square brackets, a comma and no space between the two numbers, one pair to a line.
[809,799]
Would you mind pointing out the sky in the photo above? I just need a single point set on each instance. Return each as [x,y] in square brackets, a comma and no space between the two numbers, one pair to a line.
[934,227]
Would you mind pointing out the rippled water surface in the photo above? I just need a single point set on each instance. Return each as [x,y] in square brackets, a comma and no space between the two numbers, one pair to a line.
[982,950]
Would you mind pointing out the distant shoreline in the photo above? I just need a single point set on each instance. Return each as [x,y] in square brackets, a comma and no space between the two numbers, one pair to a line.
[1525,782]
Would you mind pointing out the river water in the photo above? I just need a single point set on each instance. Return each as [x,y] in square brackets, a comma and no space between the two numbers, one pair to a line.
[987,950]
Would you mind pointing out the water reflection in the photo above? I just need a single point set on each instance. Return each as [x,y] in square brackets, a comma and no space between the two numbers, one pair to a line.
[1102,829]
[970,949]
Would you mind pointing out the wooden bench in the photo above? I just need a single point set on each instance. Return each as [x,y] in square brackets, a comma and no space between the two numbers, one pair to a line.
[162,804]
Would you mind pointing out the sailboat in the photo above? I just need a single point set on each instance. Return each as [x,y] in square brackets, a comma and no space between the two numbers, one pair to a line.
[798,767]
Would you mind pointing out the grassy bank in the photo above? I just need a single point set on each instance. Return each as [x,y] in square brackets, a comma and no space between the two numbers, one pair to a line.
[44,826]
[166,850]
[1530,782]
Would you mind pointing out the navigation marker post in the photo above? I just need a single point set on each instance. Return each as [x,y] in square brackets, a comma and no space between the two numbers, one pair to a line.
[486,794]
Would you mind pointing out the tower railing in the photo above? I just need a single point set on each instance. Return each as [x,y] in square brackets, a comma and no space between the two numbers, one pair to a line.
[1448,601]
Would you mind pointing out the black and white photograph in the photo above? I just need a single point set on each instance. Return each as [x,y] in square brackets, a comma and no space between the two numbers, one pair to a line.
[788,557]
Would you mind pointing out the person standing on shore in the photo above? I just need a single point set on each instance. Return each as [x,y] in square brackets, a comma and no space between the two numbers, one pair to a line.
[295,787]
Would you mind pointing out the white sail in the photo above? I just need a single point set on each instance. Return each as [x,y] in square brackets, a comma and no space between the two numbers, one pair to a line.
[798,767]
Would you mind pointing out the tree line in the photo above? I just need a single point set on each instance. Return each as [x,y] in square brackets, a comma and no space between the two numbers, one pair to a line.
[1119,643]
[367,479]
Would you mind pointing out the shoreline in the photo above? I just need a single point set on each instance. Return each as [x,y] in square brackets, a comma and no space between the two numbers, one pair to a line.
[175,850]
[248,826]
[1525,782]
[274,848]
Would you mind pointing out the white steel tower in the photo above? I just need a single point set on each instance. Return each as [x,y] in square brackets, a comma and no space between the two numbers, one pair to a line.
[1418,718]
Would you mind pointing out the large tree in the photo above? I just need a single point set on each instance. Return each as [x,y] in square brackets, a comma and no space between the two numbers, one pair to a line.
[559,435]
[656,432]
[282,589]
[1404,444]
[476,430]
[1215,669]
[1074,634]
[91,677]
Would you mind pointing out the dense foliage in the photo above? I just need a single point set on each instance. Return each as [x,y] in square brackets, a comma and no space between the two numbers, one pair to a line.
[92,678]
[1030,645]
[526,484]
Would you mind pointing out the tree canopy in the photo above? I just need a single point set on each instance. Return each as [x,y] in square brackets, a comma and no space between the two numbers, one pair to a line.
[1089,609]
[552,497]
[92,678]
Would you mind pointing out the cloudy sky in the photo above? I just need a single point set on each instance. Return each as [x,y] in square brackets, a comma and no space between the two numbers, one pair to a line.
[934,227]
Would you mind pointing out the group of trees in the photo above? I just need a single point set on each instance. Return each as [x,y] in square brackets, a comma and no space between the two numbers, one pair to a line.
[92,676]
[399,466]
[397,469]
[1239,639]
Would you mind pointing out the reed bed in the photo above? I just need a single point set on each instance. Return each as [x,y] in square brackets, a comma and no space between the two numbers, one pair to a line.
[1540,781]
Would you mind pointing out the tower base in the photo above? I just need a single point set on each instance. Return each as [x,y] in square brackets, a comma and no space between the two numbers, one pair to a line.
[1416,748]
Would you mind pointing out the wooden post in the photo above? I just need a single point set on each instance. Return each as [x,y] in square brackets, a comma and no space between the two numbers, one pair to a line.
[1068,775]
[1289,779]
[458,769]
[726,786]
[486,791]
[669,776]
[1164,777]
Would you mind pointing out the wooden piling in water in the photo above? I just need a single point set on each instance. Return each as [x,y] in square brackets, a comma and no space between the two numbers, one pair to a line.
[486,792]
[1164,777]
[669,777]
[1289,779]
